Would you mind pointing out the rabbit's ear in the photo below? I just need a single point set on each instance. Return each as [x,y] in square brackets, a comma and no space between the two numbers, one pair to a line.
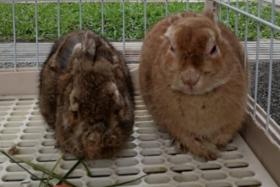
[77,48]
[115,94]
[54,60]
[211,13]
[88,44]
[53,65]
[74,105]
[168,33]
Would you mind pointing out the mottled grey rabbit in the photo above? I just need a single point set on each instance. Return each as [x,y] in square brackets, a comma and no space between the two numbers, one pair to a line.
[86,95]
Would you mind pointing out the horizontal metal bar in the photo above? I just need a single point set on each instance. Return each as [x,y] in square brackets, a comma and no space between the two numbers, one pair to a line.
[267,23]
[93,1]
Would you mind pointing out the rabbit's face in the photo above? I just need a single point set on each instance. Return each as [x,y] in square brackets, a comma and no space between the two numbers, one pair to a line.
[195,56]
[95,94]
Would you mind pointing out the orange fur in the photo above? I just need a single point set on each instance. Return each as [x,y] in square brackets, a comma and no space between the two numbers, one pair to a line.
[193,81]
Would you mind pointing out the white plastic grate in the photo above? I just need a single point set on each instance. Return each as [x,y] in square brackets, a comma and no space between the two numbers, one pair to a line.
[148,151]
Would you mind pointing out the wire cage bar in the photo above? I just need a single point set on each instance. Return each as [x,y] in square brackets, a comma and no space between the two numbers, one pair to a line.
[124,37]
[273,28]
[235,7]
[149,151]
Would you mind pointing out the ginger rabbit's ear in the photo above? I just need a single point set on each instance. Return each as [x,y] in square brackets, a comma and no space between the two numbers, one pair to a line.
[211,13]
[168,33]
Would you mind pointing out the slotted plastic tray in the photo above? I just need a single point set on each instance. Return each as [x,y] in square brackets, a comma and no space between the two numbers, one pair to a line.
[148,151]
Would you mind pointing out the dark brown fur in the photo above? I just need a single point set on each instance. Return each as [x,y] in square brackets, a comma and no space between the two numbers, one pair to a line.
[199,96]
[86,95]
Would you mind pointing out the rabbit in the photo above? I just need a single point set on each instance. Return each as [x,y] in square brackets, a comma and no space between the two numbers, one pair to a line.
[194,80]
[86,95]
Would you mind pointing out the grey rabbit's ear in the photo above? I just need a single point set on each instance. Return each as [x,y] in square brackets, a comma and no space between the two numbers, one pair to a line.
[53,64]
[116,96]
[89,44]
[77,48]
[74,105]
[211,13]
[115,66]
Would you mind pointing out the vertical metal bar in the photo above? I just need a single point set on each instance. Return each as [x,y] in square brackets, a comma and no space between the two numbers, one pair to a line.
[166,7]
[36,33]
[187,5]
[270,67]
[123,29]
[246,37]
[227,18]
[58,17]
[102,17]
[236,18]
[220,12]
[257,60]
[80,14]
[14,35]
[246,57]
[145,16]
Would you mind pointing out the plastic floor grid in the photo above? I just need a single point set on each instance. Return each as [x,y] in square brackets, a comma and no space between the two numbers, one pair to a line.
[148,151]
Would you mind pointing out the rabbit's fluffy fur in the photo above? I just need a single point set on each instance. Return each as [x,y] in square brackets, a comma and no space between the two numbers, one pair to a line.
[86,95]
[194,81]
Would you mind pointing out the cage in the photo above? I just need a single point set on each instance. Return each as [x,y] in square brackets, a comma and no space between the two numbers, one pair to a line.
[28,30]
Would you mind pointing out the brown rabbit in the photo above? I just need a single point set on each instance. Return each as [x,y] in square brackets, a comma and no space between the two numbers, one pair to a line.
[86,95]
[194,81]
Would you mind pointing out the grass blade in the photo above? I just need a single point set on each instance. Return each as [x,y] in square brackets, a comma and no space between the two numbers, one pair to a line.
[126,182]
[11,158]
[21,166]
[46,171]
[70,170]
[52,170]
[87,169]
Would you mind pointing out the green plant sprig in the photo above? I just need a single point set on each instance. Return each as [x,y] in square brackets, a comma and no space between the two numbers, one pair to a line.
[52,174]
[38,168]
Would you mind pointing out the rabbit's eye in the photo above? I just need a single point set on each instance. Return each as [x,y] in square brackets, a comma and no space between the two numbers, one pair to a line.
[75,114]
[172,49]
[213,50]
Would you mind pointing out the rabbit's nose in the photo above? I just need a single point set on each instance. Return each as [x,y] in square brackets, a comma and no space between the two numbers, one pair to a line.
[190,82]
[190,78]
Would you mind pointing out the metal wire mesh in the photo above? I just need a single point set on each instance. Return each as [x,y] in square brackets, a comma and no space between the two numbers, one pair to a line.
[262,68]
[238,15]
[26,42]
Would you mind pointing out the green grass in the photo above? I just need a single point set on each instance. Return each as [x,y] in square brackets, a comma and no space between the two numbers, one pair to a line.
[134,19]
